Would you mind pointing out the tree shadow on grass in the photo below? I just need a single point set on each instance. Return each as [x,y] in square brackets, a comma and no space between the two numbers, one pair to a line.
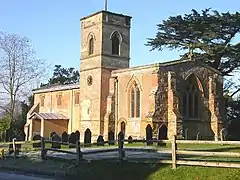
[94,170]
[105,170]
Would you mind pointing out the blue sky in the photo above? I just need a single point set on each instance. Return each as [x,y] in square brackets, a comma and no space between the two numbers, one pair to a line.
[54,25]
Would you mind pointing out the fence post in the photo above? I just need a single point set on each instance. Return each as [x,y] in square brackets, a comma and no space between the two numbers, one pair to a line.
[197,136]
[120,147]
[222,134]
[174,148]
[14,148]
[78,152]
[43,150]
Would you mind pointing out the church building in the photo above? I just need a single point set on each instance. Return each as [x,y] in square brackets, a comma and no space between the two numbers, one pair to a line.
[182,97]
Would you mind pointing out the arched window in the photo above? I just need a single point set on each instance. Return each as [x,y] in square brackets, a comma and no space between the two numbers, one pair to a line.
[115,44]
[91,46]
[135,103]
[137,91]
[191,98]
[132,102]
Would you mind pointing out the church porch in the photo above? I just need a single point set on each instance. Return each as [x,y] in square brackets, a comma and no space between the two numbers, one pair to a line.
[44,123]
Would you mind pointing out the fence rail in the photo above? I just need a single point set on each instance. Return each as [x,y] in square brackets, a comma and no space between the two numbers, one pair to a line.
[173,152]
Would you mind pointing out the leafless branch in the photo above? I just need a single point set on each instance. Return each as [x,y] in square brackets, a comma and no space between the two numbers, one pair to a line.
[19,67]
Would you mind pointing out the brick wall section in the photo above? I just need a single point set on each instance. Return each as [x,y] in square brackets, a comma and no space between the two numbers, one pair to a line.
[174,117]
[57,126]
[160,114]
[68,107]
[146,79]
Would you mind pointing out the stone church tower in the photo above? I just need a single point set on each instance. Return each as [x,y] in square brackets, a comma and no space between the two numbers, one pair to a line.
[105,46]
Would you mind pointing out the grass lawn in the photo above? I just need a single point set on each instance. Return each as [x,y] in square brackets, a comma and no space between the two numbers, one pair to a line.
[102,170]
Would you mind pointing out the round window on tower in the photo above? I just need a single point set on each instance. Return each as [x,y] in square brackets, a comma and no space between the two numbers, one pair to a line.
[89,80]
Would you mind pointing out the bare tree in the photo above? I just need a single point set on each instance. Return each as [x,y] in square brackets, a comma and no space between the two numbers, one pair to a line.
[19,69]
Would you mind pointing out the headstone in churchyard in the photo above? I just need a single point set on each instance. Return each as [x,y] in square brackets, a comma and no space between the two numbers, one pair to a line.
[130,140]
[120,136]
[100,141]
[87,137]
[77,135]
[111,138]
[56,144]
[36,138]
[120,142]
[72,139]
[162,134]
[64,137]
[52,134]
[149,134]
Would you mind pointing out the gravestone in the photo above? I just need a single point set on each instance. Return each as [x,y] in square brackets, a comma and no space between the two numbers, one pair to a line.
[64,137]
[121,136]
[52,134]
[120,142]
[56,138]
[111,138]
[162,134]
[35,138]
[149,134]
[100,141]
[130,140]
[72,139]
[87,137]
[77,135]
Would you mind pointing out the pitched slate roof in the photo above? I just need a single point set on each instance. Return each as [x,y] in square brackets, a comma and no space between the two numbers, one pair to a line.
[48,116]
[52,88]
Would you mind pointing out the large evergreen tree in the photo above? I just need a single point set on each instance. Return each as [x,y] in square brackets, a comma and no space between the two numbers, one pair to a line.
[208,36]
[63,75]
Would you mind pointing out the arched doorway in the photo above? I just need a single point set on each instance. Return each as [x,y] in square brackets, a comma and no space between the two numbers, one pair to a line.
[123,127]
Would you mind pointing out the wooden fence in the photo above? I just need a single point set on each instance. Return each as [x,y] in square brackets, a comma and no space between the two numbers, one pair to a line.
[78,153]
[15,147]
[177,161]
[174,152]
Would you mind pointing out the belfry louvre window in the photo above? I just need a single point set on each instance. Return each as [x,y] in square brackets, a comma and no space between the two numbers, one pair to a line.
[91,46]
[135,102]
[115,44]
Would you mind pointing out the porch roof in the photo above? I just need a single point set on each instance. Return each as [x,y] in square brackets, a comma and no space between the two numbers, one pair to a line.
[48,116]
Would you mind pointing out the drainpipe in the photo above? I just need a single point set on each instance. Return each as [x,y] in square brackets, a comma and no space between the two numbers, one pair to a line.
[116,107]
[71,112]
